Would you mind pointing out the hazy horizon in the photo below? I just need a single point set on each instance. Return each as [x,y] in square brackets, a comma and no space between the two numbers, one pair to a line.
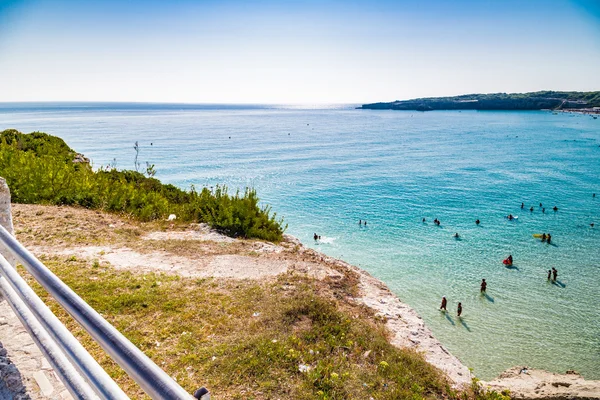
[300,52]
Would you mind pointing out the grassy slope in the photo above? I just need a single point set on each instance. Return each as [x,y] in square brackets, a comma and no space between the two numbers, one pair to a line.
[203,332]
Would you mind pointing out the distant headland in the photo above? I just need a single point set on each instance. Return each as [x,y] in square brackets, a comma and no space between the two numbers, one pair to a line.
[544,100]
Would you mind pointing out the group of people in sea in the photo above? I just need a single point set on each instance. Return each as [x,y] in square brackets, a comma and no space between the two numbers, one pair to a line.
[552,274]
[508,261]
[542,207]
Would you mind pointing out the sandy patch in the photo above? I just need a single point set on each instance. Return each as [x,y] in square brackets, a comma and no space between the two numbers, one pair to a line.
[200,232]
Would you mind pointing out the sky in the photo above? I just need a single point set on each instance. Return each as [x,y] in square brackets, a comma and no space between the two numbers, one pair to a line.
[303,52]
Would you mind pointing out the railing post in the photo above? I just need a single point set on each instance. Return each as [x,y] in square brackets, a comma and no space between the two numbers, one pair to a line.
[6,219]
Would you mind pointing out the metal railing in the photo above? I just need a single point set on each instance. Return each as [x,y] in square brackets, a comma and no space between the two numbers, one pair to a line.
[77,369]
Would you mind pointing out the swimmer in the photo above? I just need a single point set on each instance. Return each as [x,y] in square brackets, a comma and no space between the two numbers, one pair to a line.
[531,209]
[510,217]
[315,236]
[456,235]
[459,310]
[477,222]
[548,238]
[592,224]
[423,220]
[544,210]
[540,204]
[543,237]
[554,274]
[444,302]
[365,222]
[555,208]
[510,259]
[360,221]
[522,205]
[483,286]
[549,274]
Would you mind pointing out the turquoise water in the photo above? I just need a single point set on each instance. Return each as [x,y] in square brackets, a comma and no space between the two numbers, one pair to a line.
[324,169]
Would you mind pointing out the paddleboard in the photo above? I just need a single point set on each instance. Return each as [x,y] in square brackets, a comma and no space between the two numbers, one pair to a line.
[537,235]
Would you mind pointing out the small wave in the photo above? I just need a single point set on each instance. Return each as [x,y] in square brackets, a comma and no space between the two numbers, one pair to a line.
[325,239]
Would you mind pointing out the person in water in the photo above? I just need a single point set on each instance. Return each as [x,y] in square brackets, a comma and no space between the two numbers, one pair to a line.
[543,237]
[510,217]
[483,286]
[477,222]
[360,221]
[459,310]
[540,204]
[522,205]
[510,259]
[444,303]
[554,274]
[456,235]
[555,208]
[543,210]
[549,274]
[548,238]
[423,220]
[531,209]
[315,236]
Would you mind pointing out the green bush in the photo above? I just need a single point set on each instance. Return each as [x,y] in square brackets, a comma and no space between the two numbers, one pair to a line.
[39,169]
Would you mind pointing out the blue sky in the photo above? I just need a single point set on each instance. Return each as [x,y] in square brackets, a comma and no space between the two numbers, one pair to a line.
[293,51]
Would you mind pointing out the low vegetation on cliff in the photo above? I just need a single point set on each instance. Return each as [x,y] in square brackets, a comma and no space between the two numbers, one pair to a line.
[496,101]
[40,169]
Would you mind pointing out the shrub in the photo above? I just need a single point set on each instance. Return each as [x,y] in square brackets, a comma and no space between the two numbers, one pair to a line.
[39,168]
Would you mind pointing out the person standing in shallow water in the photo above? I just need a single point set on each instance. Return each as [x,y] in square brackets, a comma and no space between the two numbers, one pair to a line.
[444,303]
[483,286]
[459,310]
[554,274]
[549,274]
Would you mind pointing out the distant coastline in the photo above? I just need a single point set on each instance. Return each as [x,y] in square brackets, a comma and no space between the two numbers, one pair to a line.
[544,100]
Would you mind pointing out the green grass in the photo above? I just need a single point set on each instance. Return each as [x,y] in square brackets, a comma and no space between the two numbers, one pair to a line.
[39,169]
[203,332]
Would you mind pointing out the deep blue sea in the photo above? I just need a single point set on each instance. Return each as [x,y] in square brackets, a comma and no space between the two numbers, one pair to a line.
[324,168]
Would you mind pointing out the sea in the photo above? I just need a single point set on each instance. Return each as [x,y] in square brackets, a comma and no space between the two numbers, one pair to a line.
[325,168]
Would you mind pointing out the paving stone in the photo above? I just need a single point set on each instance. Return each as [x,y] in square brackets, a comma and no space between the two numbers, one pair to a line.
[44,383]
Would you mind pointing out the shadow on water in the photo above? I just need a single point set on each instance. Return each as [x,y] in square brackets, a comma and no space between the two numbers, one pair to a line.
[449,318]
[463,323]
[487,297]
[513,266]
[559,284]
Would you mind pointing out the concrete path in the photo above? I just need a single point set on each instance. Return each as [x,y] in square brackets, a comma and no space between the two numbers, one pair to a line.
[24,371]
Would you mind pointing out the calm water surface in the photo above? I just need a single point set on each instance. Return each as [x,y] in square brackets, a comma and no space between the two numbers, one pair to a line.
[324,169]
